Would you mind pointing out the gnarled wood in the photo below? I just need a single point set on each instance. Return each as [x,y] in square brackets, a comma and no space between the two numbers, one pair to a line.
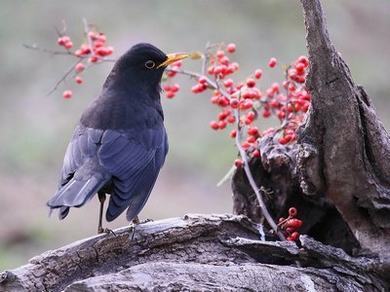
[193,253]
[337,174]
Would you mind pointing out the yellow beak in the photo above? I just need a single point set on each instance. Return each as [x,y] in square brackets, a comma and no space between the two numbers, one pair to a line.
[173,58]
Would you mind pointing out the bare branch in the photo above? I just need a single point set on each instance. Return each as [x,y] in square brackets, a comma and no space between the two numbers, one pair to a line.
[63,78]
[48,51]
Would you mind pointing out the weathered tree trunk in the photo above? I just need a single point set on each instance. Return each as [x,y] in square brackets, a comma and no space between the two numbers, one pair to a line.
[337,175]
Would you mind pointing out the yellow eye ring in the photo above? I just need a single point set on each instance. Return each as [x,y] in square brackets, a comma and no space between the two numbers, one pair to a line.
[150,64]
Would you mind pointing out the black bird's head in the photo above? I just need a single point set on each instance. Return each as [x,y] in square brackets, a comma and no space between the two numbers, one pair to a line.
[142,67]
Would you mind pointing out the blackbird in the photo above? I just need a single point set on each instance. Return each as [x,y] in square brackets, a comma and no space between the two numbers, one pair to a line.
[120,143]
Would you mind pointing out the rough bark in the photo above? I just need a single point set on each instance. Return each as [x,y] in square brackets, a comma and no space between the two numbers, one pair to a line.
[338,172]
[194,253]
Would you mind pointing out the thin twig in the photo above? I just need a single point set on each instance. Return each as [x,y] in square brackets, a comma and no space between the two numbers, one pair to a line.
[263,207]
[67,73]
[47,51]
[252,182]
[86,31]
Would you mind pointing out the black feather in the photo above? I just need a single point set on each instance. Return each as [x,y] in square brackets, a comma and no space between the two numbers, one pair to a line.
[121,143]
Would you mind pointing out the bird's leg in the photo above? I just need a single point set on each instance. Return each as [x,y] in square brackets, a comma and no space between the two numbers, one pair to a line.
[102,199]
[136,220]
[134,223]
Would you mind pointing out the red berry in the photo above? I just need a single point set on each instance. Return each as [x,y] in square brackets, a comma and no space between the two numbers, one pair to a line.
[250,82]
[231,48]
[93,59]
[178,63]
[231,119]
[228,82]
[235,66]
[245,145]
[78,80]
[283,140]
[214,125]
[222,125]
[251,116]
[293,223]
[202,80]
[210,70]
[300,67]
[103,51]
[275,87]
[256,153]
[224,60]
[198,88]
[281,115]
[101,37]
[294,236]
[92,35]
[233,133]
[254,131]
[167,87]
[85,49]
[223,115]
[170,94]
[60,41]
[79,67]
[175,87]
[251,139]
[258,73]
[248,121]
[238,163]
[234,103]
[67,94]
[247,104]
[292,212]
[304,60]
[63,40]
[68,45]
[266,113]
[305,107]
[220,53]
[272,62]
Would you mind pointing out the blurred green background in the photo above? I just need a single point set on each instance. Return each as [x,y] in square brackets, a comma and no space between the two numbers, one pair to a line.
[35,128]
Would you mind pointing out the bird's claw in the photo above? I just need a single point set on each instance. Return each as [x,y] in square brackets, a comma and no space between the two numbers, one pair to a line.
[106,231]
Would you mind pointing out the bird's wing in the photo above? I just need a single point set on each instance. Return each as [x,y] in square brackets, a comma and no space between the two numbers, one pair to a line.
[82,176]
[133,158]
[82,146]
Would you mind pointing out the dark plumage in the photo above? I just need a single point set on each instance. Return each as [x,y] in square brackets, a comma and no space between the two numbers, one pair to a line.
[120,143]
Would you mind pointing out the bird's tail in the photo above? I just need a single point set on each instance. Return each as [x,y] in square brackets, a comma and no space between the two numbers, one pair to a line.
[78,190]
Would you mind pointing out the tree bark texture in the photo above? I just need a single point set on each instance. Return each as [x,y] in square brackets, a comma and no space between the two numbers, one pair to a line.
[338,173]
[194,253]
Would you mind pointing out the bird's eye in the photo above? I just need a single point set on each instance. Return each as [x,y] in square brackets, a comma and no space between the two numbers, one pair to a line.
[150,64]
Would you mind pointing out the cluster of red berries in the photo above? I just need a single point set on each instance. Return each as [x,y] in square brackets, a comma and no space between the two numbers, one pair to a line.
[290,225]
[287,101]
[93,51]
[172,89]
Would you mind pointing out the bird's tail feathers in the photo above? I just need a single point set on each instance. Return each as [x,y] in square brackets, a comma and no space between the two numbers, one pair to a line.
[76,193]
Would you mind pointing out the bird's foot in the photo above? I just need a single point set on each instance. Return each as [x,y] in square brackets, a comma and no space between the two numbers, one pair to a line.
[132,231]
[134,224]
[106,230]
